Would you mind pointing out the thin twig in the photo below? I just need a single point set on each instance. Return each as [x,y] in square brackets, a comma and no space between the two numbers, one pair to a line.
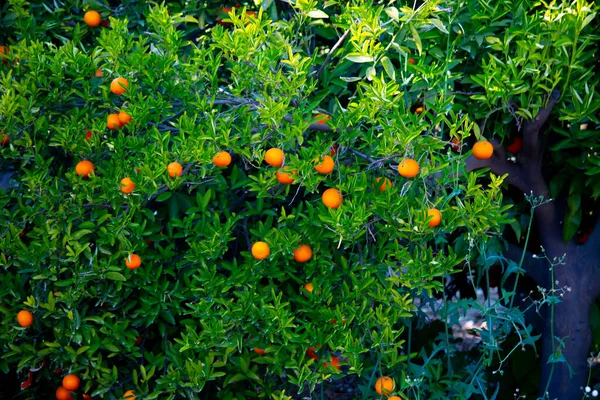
[333,49]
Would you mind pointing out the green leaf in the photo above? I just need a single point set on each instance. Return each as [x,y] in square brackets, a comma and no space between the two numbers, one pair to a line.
[115,276]
[416,38]
[392,12]
[317,14]
[358,58]
[389,67]
[164,196]
[438,24]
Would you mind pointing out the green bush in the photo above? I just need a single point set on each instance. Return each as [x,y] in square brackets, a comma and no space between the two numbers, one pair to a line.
[201,317]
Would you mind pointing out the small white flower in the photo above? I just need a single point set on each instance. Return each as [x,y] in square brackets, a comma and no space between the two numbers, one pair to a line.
[595,393]
[588,389]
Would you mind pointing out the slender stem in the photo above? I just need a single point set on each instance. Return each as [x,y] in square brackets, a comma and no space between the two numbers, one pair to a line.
[551,332]
[512,299]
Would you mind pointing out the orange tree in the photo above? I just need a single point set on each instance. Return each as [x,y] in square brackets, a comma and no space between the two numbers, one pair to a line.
[153,244]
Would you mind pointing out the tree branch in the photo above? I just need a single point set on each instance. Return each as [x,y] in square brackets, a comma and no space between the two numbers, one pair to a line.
[532,151]
[333,49]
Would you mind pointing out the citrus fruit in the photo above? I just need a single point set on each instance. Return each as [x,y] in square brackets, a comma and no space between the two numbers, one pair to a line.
[86,397]
[260,250]
[84,168]
[385,184]
[113,121]
[515,146]
[133,261]
[436,217]
[332,198]
[384,386]
[174,169]
[25,318]
[124,118]
[284,178]
[4,139]
[222,159]
[71,382]
[3,50]
[483,150]
[274,157]
[411,61]
[326,166]
[408,168]
[63,394]
[394,398]
[419,110]
[323,118]
[259,351]
[127,185]
[88,135]
[309,287]
[303,253]
[98,74]
[92,18]
[129,395]
[119,85]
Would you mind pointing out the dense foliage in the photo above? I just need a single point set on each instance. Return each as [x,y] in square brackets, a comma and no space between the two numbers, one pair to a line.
[370,85]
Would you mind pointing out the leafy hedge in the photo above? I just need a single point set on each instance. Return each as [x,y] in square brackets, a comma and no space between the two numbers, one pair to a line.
[201,316]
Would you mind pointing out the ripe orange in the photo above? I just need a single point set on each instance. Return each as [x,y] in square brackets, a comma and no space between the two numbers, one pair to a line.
[98,74]
[63,394]
[419,110]
[394,398]
[119,85]
[5,140]
[222,159]
[384,386]
[133,261]
[309,287]
[113,121]
[86,397]
[259,351]
[127,185]
[284,178]
[260,250]
[129,395]
[436,217]
[386,183]
[326,166]
[274,157]
[303,253]
[332,198]
[84,168]
[92,18]
[3,50]
[323,118]
[71,382]
[483,150]
[408,168]
[124,118]
[88,135]
[25,318]
[174,169]
[411,61]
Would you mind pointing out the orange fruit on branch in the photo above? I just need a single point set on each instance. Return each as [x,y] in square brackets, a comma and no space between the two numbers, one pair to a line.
[303,253]
[326,166]
[174,169]
[25,318]
[124,118]
[259,351]
[113,122]
[436,217]
[274,157]
[129,395]
[133,261]
[127,185]
[92,18]
[63,394]
[260,250]
[384,386]
[309,287]
[222,159]
[119,85]
[385,184]
[332,198]
[323,118]
[284,178]
[84,168]
[71,382]
[4,139]
[408,168]
[483,150]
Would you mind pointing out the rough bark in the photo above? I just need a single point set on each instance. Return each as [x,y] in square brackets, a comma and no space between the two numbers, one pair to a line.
[577,278]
